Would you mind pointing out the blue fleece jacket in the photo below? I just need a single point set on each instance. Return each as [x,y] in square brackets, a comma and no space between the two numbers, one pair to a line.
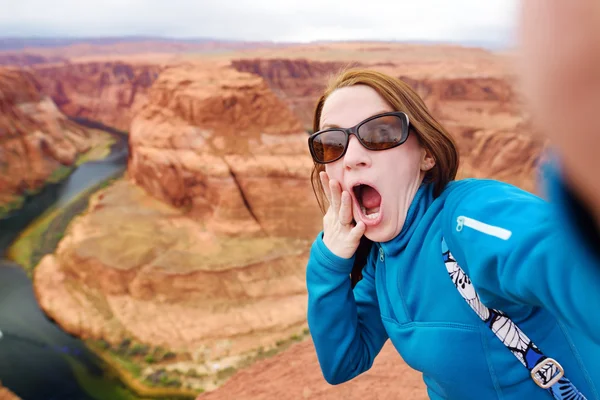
[531,264]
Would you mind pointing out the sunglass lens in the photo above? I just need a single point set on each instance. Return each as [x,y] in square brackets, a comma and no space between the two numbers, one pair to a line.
[383,132]
[329,145]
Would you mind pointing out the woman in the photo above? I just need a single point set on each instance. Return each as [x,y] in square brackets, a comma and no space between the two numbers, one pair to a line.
[411,236]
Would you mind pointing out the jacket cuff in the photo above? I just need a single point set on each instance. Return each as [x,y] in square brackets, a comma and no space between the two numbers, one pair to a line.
[329,260]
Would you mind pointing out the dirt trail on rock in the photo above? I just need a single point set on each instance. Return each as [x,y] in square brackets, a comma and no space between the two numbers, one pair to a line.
[295,374]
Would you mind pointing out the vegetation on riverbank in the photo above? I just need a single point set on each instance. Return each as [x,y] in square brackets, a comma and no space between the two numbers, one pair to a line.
[127,361]
[42,236]
[156,372]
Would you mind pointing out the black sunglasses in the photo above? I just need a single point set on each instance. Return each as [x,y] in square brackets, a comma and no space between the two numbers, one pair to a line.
[379,132]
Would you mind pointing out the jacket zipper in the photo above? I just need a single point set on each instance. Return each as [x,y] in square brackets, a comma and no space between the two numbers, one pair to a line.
[383,273]
[482,227]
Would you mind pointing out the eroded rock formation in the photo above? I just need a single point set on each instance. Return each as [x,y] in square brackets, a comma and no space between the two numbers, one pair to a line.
[219,144]
[36,139]
[109,92]
[202,250]
[298,81]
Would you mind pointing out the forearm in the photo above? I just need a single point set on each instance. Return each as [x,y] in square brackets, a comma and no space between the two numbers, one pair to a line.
[332,319]
[560,77]
[347,332]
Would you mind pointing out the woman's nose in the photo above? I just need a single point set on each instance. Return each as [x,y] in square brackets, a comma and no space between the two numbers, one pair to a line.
[356,155]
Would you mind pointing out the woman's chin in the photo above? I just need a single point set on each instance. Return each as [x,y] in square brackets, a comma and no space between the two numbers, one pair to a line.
[376,234]
[382,232]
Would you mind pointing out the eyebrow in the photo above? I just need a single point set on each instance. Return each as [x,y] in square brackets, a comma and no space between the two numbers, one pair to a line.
[327,126]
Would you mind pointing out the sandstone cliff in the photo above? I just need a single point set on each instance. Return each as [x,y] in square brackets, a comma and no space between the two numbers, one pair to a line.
[492,129]
[37,142]
[108,92]
[219,144]
[202,250]
[298,81]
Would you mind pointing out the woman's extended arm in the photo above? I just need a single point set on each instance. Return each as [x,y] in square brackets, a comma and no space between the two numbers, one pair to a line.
[559,64]
[519,247]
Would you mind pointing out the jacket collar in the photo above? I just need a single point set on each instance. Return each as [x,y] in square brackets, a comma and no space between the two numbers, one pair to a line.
[418,207]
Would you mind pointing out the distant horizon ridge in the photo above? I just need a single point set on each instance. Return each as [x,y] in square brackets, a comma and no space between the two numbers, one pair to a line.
[15,43]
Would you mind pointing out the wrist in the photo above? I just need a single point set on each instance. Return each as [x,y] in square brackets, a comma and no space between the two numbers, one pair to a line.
[331,259]
[338,251]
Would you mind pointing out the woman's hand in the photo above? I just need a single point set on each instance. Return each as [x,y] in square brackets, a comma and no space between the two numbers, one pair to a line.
[340,234]
[560,76]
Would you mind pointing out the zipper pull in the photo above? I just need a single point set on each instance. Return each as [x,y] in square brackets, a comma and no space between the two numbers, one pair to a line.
[482,227]
[460,222]
[381,257]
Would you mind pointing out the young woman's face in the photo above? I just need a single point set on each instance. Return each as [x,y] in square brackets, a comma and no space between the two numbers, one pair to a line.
[391,177]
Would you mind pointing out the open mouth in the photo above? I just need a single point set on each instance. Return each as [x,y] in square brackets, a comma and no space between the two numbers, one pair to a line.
[368,199]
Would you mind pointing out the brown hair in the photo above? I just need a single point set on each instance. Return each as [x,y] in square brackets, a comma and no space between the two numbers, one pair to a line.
[430,133]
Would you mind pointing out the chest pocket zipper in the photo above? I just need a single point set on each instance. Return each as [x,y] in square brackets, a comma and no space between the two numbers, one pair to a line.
[482,227]
[386,309]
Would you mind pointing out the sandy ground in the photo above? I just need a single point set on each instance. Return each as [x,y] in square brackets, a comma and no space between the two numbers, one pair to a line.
[295,374]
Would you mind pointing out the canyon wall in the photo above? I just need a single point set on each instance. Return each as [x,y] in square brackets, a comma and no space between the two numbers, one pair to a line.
[110,92]
[219,144]
[37,142]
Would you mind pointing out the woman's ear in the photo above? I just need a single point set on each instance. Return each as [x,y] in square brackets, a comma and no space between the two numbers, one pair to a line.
[427,160]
